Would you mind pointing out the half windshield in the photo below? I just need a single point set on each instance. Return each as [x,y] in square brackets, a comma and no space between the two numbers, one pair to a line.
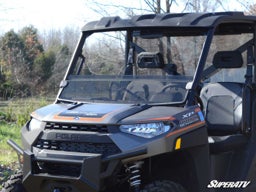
[135,66]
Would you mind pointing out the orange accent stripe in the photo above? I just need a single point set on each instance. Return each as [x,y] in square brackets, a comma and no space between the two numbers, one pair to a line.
[34,114]
[95,119]
[162,119]
[186,128]
[197,110]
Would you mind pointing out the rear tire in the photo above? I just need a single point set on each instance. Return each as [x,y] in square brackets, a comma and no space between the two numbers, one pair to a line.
[14,183]
[164,186]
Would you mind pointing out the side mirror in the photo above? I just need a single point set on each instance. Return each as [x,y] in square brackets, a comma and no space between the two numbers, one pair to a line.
[150,60]
[228,59]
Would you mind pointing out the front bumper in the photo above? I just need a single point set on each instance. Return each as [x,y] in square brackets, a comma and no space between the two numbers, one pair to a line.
[69,172]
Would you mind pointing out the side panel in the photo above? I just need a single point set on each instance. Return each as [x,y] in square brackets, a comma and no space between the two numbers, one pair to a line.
[189,165]
[199,156]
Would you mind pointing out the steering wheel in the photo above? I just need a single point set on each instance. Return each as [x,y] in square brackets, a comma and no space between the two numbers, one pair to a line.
[177,91]
[119,91]
[169,86]
[134,94]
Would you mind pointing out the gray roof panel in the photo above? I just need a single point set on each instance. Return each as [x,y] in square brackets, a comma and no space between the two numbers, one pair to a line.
[206,20]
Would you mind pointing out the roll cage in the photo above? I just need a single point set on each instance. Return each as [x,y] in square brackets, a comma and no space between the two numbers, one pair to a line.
[184,24]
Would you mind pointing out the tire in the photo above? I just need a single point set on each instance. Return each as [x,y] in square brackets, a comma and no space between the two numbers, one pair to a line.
[163,186]
[14,183]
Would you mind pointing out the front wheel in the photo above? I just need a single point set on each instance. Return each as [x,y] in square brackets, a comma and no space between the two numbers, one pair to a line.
[163,186]
[14,183]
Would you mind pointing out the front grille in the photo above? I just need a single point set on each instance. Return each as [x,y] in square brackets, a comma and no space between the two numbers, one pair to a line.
[77,127]
[53,168]
[105,149]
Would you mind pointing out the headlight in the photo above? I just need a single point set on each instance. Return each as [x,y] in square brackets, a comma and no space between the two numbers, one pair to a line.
[146,130]
[34,124]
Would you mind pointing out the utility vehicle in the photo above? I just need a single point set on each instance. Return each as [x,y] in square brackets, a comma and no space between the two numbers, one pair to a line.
[154,103]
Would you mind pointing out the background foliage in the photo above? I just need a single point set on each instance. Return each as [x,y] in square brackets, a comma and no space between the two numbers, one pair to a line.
[28,61]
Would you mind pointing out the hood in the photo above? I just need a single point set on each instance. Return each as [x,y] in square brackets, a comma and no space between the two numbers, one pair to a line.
[108,113]
[86,113]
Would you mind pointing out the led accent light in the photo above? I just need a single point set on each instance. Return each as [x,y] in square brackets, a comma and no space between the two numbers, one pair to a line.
[146,130]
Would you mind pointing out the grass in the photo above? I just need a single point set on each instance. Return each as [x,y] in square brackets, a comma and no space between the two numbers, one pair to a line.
[18,111]
[13,115]
[8,156]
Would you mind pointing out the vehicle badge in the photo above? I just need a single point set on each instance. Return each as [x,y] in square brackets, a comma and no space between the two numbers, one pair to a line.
[76,118]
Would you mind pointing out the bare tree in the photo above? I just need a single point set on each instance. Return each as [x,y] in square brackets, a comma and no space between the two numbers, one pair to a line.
[248,6]
[203,5]
[252,10]
[108,8]
[160,6]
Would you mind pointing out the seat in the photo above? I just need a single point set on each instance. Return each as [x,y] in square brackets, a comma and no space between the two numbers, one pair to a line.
[223,107]
[223,101]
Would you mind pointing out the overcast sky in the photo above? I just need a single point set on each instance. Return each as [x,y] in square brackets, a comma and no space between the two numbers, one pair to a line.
[56,14]
[16,14]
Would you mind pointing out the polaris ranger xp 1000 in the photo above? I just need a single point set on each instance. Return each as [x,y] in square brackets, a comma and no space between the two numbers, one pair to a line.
[154,103]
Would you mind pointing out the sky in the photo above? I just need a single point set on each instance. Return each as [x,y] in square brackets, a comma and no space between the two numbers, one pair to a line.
[57,14]
[16,14]
[49,14]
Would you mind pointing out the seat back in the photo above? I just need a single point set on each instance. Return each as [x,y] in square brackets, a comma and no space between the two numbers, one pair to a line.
[143,89]
[223,107]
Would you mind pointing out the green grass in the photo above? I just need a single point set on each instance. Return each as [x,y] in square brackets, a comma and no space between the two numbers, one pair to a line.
[18,111]
[8,156]
[13,115]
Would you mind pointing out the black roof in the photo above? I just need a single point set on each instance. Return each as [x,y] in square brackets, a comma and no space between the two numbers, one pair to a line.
[201,20]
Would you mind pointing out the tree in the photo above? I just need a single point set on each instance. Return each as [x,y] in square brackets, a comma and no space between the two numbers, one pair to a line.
[203,5]
[32,46]
[252,10]
[52,39]
[62,43]
[18,52]
[62,57]
[12,54]
[70,38]
[156,6]
[44,66]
